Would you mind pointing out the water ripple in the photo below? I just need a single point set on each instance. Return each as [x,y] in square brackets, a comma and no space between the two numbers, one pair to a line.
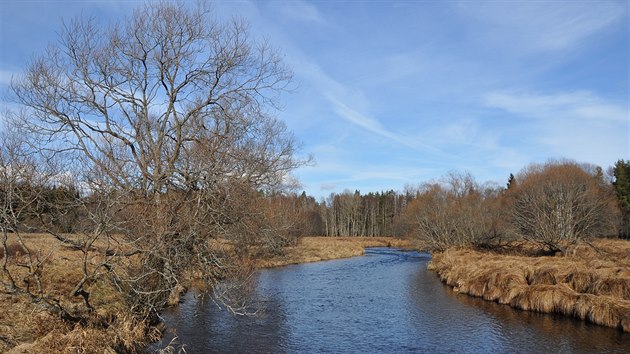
[383,302]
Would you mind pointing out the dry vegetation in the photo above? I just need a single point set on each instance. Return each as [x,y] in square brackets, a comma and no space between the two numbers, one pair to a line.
[591,282]
[314,249]
[27,327]
[147,141]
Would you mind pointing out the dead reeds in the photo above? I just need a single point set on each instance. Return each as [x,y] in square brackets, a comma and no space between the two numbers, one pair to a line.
[592,284]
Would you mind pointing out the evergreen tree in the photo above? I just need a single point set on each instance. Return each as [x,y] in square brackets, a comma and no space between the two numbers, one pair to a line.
[511,182]
[622,188]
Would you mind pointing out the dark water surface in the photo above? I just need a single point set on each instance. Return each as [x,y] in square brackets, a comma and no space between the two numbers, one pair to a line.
[385,301]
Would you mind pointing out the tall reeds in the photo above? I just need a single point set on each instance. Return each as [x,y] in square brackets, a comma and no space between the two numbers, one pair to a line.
[592,286]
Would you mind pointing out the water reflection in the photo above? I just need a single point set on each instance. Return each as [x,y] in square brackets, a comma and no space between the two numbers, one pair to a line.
[570,335]
[385,301]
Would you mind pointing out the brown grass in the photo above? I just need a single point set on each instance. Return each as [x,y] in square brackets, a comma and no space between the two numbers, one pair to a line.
[26,327]
[591,283]
[314,249]
[123,334]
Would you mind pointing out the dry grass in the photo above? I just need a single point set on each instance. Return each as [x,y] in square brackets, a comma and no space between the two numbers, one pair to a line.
[26,327]
[314,249]
[123,334]
[591,283]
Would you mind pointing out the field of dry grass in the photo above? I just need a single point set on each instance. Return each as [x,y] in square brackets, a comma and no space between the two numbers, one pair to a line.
[591,283]
[314,249]
[28,327]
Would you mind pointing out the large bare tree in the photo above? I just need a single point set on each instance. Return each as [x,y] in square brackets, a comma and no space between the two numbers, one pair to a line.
[167,118]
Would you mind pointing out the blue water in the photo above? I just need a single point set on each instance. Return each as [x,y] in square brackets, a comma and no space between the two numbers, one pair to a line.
[385,301]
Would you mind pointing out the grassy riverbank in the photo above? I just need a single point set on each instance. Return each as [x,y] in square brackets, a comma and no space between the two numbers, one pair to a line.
[314,249]
[27,327]
[591,283]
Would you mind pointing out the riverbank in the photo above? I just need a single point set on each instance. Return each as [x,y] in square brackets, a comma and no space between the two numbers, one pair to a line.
[319,248]
[27,327]
[591,283]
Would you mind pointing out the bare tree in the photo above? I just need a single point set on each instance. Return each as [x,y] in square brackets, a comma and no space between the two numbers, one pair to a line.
[561,202]
[353,214]
[167,120]
[18,196]
[455,213]
[32,198]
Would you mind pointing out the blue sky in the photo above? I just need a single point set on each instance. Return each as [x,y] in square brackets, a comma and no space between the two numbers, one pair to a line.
[392,93]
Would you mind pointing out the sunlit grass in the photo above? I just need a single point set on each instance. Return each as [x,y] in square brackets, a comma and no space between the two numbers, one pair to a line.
[27,327]
[591,283]
[314,249]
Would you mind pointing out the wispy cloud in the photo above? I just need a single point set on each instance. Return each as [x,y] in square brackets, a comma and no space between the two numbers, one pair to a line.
[583,105]
[543,25]
[5,76]
[349,103]
[301,11]
[340,175]
[327,186]
[363,121]
[578,125]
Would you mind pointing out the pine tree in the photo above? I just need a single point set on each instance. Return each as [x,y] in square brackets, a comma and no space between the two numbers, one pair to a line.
[622,188]
[511,182]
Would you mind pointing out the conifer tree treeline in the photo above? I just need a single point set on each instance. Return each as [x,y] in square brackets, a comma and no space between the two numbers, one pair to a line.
[621,172]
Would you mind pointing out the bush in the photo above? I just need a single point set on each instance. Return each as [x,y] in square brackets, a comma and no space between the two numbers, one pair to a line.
[456,213]
[561,202]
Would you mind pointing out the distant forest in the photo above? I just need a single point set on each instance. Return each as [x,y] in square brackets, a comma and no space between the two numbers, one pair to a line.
[598,202]
[378,214]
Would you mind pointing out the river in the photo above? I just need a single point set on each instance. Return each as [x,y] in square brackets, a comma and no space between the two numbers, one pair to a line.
[385,301]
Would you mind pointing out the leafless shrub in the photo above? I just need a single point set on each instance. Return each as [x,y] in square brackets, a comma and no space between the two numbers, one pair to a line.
[558,203]
[455,213]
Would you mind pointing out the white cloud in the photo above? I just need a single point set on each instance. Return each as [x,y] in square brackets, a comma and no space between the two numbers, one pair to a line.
[543,25]
[583,105]
[339,176]
[578,125]
[345,101]
[5,77]
[363,121]
[327,186]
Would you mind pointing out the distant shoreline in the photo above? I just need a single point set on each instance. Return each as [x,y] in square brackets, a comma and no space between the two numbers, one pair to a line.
[322,248]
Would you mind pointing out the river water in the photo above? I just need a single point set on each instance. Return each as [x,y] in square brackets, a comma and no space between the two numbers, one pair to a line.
[385,301]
